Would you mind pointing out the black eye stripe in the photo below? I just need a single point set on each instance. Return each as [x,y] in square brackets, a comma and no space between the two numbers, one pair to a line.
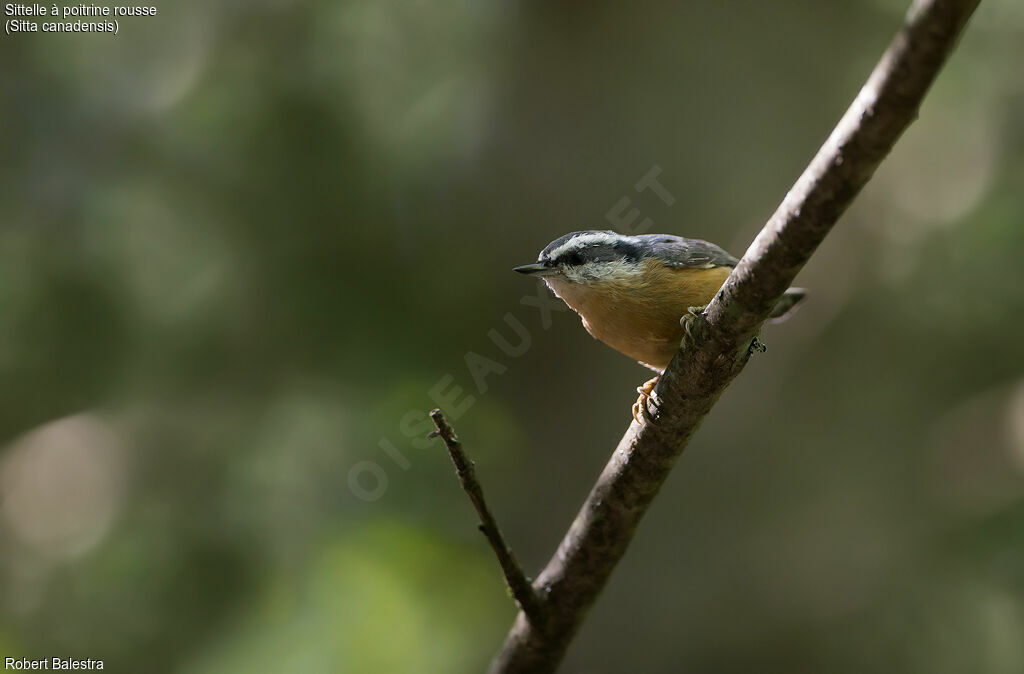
[600,252]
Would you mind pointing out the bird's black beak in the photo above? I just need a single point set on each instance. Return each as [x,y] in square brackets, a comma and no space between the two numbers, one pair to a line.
[536,269]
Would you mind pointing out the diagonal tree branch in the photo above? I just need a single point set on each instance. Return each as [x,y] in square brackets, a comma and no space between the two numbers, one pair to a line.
[518,584]
[718,341]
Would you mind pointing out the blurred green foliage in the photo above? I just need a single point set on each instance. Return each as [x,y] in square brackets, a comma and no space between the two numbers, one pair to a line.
[240,243]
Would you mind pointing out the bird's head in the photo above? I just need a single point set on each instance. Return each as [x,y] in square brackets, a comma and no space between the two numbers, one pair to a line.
[588,256]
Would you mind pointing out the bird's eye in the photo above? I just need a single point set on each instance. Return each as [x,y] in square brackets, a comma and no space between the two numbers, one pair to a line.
[574,259]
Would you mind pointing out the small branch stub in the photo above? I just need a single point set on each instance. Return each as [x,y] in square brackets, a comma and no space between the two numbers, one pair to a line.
[518,584]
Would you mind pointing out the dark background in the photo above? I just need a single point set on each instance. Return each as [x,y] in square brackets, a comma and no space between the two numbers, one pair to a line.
[240,242]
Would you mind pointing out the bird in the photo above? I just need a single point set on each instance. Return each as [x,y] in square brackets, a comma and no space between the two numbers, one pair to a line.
[631,291]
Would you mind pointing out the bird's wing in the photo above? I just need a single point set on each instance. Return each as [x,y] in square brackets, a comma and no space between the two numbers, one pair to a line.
[676,251]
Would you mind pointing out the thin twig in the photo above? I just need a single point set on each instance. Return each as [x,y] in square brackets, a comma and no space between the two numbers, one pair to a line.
[718,342]
[518,583]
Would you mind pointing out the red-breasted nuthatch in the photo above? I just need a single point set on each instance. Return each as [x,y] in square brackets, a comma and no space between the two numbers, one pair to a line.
[632,291]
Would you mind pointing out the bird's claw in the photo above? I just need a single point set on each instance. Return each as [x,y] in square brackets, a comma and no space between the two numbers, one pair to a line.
[640,412]
[694,324]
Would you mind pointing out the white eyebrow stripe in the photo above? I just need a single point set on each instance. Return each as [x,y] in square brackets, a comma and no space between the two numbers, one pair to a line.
[585,240]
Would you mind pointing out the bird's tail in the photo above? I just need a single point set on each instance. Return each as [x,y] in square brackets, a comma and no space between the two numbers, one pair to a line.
[786,306]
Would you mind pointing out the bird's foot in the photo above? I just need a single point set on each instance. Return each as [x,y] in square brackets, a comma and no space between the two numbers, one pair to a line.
[756,345]
[694,324]
[640,411]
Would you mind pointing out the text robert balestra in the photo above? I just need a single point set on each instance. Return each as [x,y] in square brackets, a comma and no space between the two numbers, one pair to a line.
[59,664]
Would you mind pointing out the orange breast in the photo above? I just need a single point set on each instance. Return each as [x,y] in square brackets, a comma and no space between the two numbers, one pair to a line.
[639,315]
